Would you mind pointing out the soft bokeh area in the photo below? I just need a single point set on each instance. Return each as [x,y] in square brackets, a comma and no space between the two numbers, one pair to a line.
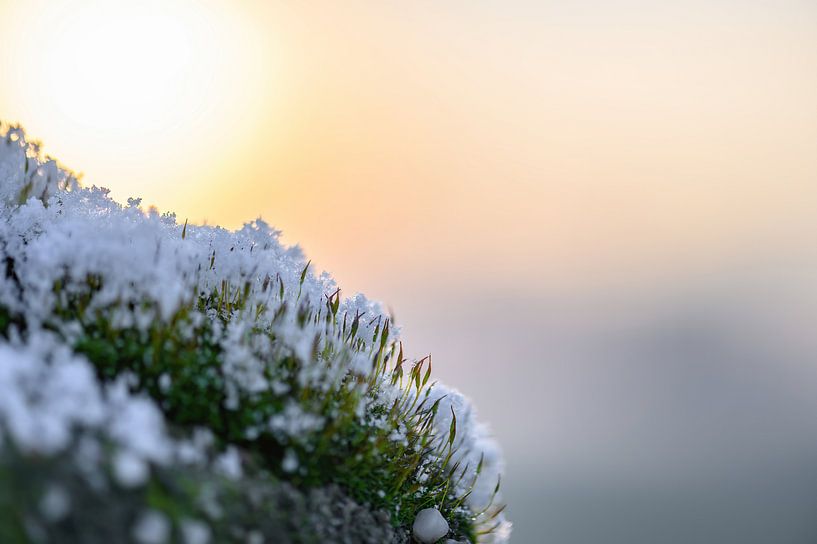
[600,217]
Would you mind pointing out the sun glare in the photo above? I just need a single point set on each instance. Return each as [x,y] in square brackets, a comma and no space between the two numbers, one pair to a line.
[129,70]
[133,80]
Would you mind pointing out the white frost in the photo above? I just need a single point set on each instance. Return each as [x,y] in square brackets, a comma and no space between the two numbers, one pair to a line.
[56,231]
[229,463]
[195,532]
[55,503]
[152,527]
[129,469]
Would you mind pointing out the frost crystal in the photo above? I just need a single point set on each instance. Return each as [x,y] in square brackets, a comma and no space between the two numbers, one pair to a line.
[87,279]
[130,469]
[290,463]
[55,503]
[151,528]
[195,532]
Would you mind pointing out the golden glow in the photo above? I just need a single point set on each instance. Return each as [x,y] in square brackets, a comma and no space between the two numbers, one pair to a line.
[541,141]
[131,91]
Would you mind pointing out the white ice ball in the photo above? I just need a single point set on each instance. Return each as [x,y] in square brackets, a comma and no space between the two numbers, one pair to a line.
[429,526]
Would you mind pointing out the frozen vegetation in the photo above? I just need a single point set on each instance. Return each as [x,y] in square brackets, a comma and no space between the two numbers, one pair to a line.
[165,382]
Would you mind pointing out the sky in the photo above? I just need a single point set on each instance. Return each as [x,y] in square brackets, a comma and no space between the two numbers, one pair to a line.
[598,216]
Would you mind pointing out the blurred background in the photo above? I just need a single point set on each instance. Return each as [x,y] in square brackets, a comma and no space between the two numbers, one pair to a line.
[599,216]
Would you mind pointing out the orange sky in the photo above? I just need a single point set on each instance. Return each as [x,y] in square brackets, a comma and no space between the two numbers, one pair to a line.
[535,141]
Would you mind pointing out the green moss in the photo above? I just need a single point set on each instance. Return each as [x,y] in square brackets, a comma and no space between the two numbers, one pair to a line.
[353,452]
[101,514]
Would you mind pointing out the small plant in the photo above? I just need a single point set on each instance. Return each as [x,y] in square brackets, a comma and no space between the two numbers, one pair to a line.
[239,372]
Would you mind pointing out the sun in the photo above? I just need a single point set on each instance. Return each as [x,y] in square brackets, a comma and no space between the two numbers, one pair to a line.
[125,69]
[133,81]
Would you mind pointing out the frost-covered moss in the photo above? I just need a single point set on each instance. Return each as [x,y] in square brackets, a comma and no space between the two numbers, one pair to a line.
[140,347]
[53,500]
